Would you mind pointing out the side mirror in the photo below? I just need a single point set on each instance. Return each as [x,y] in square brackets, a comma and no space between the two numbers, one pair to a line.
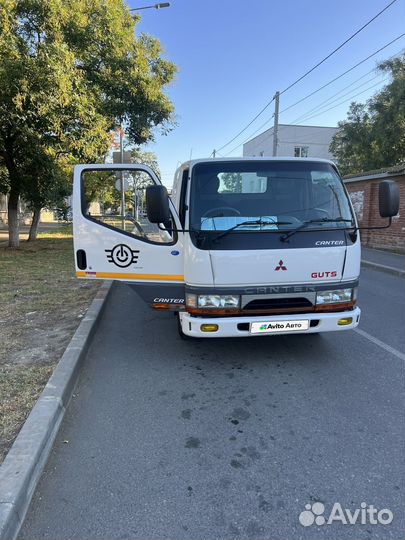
[157,204]
[388,198]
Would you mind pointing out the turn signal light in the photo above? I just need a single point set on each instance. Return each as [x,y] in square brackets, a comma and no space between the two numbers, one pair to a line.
[345,321]
[160,306]
[343,306]
[209,327]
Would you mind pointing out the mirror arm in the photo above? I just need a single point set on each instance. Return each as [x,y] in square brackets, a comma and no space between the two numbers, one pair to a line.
[375,228]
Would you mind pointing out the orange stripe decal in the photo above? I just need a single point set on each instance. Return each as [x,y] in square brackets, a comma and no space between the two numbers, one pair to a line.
[129,277]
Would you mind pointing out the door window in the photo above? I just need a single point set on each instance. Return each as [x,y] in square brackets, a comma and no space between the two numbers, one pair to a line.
[116,198]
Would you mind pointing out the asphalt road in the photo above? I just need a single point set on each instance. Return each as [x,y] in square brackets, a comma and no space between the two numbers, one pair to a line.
[229,438]
[393,260]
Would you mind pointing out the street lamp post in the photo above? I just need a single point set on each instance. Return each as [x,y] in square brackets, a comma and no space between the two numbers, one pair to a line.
[156,6]
[160,5]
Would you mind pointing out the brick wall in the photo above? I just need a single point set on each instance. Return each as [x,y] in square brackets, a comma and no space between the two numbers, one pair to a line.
[364,195]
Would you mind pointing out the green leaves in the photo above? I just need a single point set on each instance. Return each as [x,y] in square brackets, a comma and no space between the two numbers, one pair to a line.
[70,72]
[373,136]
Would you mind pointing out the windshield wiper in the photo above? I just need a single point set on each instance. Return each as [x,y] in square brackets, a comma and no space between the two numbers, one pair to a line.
[256,222]
[304,224]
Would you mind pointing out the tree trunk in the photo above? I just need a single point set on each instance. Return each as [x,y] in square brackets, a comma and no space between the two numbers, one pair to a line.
[13,224]
[34,225]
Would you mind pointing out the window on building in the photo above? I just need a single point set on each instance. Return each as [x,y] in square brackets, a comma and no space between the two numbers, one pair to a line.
[300,151]
[261,154]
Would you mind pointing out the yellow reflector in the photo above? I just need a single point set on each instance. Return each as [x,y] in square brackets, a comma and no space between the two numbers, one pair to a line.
[345,321]
[209,327]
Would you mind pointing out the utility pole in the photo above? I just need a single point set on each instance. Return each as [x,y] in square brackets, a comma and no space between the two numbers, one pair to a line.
[275,129]
[213,153]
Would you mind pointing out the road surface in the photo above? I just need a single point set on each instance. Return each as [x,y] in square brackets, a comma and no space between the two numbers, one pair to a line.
[229,438]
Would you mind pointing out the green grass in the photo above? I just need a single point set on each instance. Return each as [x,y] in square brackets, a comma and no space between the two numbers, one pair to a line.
[42,303]
[65,231]
[20,386]
[30,276]
[39,275]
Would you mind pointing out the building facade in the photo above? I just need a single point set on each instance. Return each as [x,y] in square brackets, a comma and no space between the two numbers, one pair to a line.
[363,191]
[293,141]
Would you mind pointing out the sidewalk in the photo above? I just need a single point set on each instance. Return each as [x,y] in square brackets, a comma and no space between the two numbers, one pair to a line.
[383,260]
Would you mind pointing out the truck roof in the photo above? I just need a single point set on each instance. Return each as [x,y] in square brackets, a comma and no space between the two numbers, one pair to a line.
[192,162]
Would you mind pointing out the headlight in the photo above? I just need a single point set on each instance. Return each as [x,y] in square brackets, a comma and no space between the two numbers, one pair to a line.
[218,301]
[334,297]
[213,301]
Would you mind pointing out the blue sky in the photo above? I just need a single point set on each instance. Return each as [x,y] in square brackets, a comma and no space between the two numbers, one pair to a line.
[233,55]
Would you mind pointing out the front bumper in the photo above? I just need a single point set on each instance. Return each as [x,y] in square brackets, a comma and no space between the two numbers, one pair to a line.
[239,326]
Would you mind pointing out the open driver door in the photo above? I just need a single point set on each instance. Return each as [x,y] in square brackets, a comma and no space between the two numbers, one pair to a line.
[114,239]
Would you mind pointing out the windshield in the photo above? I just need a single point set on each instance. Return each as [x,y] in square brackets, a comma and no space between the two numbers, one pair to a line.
[276,195]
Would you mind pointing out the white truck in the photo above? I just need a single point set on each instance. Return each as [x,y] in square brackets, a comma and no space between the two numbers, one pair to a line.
[241,247]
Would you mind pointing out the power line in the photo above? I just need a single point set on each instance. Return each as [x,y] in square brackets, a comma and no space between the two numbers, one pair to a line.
[330,100]
[322,87]
[338,48]
[307,73]
[248,125]
[251,135]
[342,74]
[305,116]
[294,122]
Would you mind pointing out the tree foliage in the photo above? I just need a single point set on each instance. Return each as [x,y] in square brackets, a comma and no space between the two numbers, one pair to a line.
[70,71]
[373,135]
[147,158]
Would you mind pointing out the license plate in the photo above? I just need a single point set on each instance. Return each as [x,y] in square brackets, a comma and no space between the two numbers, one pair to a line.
[271,327]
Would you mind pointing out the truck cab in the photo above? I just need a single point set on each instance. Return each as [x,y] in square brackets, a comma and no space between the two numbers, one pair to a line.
[241,248]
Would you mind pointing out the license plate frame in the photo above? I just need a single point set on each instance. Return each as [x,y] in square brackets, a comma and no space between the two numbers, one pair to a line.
[273,327]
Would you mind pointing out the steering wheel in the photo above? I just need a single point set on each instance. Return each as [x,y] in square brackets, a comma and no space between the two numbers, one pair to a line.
[234,211]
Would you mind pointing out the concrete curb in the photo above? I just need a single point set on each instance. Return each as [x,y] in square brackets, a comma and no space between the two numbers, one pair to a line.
[24,463]
[383,268]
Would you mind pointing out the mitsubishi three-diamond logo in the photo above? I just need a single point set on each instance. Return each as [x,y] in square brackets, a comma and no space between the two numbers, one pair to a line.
[280,266]
[121,255]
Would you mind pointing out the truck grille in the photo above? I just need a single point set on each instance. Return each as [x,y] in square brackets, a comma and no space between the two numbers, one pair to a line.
[278,303]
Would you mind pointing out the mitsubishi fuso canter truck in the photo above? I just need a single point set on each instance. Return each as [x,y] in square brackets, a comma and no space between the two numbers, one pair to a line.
[241,247]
